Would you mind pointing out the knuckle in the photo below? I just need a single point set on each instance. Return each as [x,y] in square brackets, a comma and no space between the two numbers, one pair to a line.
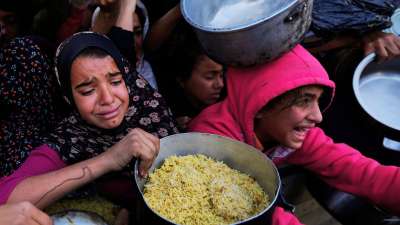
[26,206]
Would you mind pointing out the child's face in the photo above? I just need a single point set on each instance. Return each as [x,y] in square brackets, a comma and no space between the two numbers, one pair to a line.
[8,26]
[206,82]
[99,91]
[289,121]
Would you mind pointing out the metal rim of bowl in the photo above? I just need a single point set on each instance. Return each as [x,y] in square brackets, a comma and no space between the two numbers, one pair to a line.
[356,85]
[231,29]
[272,202]
[89,213]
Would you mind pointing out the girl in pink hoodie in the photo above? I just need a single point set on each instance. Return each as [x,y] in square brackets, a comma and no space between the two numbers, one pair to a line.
[275,107]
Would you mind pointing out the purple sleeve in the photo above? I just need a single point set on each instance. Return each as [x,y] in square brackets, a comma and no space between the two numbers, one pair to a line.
[42,159]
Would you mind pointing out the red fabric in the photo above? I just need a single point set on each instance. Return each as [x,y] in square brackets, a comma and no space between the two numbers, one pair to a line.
[41,160]
[338,164]
[72,24]
[281,217]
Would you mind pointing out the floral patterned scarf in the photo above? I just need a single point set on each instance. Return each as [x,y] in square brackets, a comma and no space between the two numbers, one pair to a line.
[28,101]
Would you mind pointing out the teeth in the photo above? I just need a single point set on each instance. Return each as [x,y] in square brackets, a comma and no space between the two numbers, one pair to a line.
[301,129]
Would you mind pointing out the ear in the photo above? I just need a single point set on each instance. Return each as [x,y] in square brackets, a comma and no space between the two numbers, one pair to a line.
[259,115]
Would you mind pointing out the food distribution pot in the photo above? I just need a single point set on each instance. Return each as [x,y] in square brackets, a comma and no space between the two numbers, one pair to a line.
[235,154]
[377,90]
[243,33]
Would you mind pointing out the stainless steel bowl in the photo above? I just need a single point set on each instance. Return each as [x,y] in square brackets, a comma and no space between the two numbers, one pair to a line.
[235,154]
[77,217]
[247,32]
[377,89]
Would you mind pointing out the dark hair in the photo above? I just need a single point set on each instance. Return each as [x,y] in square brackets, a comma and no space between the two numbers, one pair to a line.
[293,97]
[140,14]
[185,52]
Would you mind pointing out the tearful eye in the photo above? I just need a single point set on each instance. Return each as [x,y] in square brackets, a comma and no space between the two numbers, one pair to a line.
[116,82]
[87,92]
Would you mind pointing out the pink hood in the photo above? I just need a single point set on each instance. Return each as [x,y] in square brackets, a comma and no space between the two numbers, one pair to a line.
[249,89]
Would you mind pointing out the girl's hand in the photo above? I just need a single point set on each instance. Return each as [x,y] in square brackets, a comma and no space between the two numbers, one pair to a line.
[23,213]
[385,45]
[137,143]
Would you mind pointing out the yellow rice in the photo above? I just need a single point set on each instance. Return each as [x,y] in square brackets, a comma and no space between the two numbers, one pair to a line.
[196,189]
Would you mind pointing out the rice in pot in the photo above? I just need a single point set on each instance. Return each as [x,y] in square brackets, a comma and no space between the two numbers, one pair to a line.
[196,189]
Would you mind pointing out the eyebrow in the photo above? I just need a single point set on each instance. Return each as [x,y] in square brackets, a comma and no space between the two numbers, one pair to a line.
[85,83]
[114,74]
[90,80]
[309,95]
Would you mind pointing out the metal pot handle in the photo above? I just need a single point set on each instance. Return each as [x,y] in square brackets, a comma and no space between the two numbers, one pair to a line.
[281,201]
[296,12]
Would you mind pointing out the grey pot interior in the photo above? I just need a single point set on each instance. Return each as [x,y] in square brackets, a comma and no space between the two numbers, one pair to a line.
[377,89]
[244,33]
[235,154]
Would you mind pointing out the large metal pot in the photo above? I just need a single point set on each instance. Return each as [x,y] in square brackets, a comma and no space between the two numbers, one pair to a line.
[377,90]
[247,32]
[235,154]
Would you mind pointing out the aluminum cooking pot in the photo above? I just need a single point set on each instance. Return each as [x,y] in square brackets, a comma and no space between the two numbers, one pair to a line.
[377,89]
[244,33]
[235,154]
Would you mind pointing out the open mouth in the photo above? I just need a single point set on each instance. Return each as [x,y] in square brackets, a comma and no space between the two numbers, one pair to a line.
[301,132]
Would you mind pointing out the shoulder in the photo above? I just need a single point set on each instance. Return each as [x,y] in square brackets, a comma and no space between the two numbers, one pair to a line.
[216,120]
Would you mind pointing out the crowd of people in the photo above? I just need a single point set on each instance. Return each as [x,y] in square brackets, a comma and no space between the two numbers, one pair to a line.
[127,73]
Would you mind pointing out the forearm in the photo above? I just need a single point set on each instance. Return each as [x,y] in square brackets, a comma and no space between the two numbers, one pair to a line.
[52,186]
[348,170]
[125,15]
[163,28]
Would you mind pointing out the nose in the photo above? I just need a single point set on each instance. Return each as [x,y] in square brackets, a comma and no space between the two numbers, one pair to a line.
[315,114]
[219,83]
[106,96]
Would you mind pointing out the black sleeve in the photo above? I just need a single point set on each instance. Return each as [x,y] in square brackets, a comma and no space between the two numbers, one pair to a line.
[124,40]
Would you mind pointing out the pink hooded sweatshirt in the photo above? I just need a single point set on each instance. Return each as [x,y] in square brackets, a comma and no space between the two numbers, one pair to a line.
[339,165]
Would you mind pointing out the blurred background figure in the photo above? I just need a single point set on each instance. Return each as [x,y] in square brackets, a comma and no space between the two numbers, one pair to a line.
[190,81]
[132,17]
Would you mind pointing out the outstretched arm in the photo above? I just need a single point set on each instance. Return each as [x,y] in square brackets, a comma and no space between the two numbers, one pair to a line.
[161,30]
[348,170]
[45,187]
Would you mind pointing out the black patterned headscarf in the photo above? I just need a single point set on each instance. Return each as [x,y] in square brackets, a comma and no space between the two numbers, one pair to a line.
[77,140]
[28,100]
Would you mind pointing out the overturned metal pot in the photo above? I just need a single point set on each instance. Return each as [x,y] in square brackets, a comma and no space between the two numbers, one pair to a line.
[235,154]
[243,33]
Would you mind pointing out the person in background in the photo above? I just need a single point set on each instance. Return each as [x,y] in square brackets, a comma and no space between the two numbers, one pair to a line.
[192,81]
[276,108]
[116,117]
[14,19]
[133,19]
[23,213]
[31,104]
[78,19]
